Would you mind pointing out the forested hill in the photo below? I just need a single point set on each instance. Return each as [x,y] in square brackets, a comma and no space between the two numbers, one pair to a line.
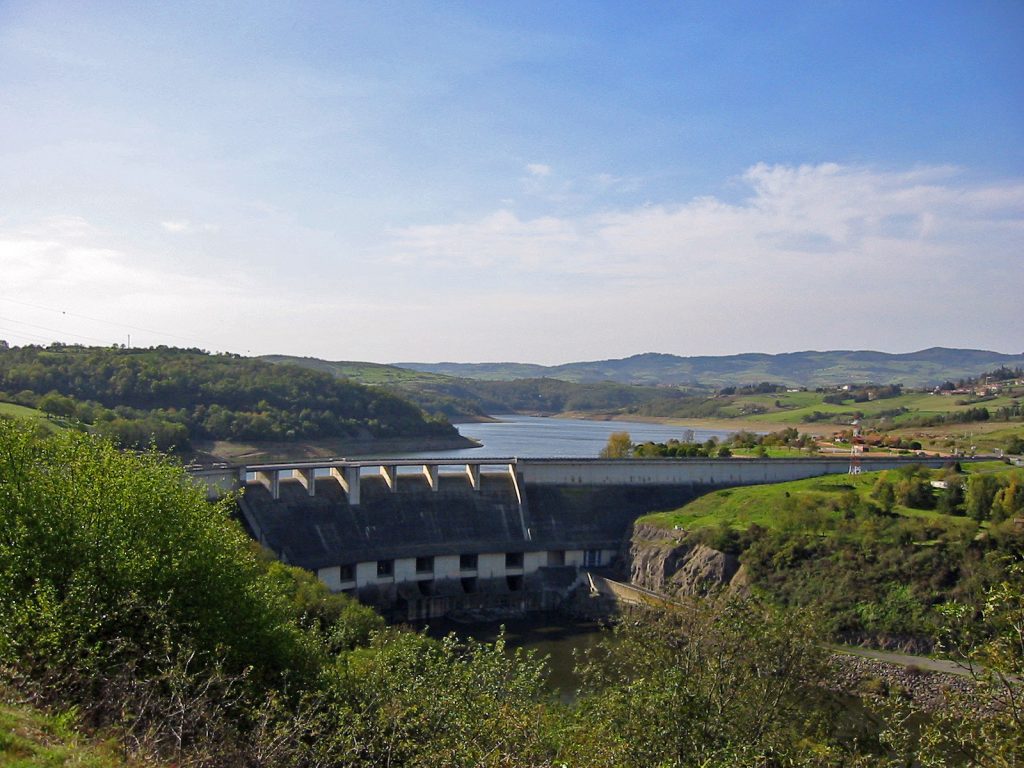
[465,399]
[178,395]
[810,369]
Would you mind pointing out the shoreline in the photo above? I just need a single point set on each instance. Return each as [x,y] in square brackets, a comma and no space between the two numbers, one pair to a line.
[716,425]
[222,450]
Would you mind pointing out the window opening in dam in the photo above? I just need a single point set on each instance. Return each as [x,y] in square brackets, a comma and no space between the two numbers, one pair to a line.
[514,560]
[385,567]
[467,562]
[424,565]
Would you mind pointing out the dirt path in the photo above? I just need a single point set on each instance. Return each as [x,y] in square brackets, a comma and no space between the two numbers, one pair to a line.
[905,659]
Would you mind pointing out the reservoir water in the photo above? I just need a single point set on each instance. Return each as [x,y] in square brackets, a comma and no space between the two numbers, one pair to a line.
[542,437]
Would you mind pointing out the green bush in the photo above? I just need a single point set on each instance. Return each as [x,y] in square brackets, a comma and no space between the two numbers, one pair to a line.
[107,557]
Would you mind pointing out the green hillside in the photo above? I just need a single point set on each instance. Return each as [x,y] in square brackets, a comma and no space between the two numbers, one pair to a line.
[466,399]
[176,396]
[779,506]
[807,407]
[926,367]
[14,411]
[877,553]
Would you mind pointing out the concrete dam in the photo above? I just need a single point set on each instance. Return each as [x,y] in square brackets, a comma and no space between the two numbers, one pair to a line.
[423,538]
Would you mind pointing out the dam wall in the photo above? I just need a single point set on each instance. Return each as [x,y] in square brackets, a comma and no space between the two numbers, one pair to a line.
[697,472]
[427,539]
[419,553]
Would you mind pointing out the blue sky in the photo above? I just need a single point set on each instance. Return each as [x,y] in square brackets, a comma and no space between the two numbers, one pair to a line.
[542,182]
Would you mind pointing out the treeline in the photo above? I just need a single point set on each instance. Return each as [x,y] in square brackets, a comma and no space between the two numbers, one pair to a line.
[129,603]
[469,398]
[1002,373]
[762,388]
[966,416]
[688,448]
[172,396]
[862,393]
[690,408]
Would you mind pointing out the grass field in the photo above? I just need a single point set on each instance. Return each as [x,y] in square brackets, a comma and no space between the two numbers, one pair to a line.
[365,373]
[774,452]
[771,506]
[771,412]
[21,412]
[792,407]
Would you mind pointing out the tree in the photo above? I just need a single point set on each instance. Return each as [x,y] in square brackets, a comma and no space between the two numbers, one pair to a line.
[619,446]
[718,681]
[981,492]
[412,701]
[988,729]
[916,492]
[951,500]
[55,404]
[1008,501]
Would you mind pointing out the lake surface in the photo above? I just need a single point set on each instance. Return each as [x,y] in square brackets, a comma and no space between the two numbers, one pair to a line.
[532,437]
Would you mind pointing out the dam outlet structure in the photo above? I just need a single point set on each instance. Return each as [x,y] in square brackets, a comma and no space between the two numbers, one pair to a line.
[425,538]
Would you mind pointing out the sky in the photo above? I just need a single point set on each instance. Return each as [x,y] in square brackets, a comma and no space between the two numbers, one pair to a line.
[538,182]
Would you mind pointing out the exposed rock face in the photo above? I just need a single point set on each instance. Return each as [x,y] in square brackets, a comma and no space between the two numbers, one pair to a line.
[668,563]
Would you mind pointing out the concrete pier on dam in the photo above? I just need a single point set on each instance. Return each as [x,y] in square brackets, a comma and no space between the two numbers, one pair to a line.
[426,537]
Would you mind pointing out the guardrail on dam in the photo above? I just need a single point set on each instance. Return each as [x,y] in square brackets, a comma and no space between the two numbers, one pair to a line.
[420,538]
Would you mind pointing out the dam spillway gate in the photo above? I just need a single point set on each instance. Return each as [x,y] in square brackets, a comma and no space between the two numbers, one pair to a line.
[427,537]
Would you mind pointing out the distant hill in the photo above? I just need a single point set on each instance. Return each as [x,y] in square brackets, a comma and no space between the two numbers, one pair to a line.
[809,369]
[469,399]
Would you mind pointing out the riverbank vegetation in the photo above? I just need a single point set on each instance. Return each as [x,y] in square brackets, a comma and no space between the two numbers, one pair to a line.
[138,622]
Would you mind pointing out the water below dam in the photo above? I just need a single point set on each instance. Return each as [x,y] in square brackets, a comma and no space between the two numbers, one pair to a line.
[544,437]
[559,638]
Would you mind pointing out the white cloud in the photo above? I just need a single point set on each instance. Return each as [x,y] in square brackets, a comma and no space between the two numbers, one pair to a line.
[540,170]
[803,214]
[99,289]
[870,254]
[177,226]
[807,257]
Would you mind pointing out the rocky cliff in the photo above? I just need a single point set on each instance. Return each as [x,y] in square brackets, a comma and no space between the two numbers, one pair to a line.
[672,563]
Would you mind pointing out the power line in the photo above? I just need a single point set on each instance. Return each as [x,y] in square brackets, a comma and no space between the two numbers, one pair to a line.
[14,334]
[100,320]
[54,330]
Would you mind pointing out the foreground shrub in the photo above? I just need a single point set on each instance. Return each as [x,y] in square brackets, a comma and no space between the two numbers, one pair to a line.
[110,558]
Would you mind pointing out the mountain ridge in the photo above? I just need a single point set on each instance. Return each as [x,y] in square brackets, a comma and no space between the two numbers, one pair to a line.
[923,367]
